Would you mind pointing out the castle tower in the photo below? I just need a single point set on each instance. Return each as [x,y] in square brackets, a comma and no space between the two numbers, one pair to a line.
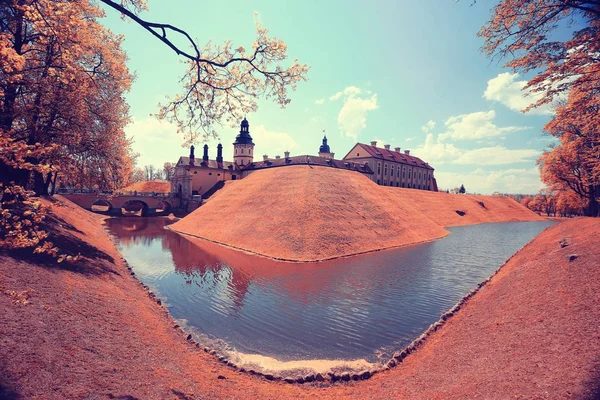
[324,150]
[243,147]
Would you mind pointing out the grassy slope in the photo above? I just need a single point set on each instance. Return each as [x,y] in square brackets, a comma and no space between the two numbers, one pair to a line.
[442,207]
[91,331]
[303,213]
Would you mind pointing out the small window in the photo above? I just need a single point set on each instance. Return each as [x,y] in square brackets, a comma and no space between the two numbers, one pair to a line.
[210,173]
[357,154]
[378,182]
[218,174]
[384,183]
[195,172]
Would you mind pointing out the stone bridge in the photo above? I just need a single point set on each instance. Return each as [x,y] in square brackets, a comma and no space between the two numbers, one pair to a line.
[128,203]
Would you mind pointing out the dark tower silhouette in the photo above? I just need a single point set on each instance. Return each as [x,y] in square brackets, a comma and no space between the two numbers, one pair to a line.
[192,157]
[219,153]
[205,156]
[324,150]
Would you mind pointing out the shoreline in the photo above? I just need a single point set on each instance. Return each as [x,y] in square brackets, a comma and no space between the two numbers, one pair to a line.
[293,261]
[148,342]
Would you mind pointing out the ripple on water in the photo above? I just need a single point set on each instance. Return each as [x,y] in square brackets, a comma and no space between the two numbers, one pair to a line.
[356,308]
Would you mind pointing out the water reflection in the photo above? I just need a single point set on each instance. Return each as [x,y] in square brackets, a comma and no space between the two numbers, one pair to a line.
[358,307]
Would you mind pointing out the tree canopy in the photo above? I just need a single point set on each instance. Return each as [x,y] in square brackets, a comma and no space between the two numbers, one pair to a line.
[526,32]
[63,78]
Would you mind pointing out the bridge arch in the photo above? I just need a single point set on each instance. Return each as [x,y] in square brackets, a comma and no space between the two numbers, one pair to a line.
[163,207]
[135,207]
[101,205]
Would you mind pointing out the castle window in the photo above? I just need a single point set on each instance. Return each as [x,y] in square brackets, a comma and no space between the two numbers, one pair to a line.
[357,154]
[384,183]
[392,170]
[218,174]
[378,181]
[385,169]
[404,173]
[378,169]
[210,173]
[398,172]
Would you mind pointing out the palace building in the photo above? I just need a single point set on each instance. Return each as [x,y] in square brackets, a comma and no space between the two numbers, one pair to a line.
[198,177]
[393,168]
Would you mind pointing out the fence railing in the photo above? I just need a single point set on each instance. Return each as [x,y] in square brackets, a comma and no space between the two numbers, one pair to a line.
[115,193]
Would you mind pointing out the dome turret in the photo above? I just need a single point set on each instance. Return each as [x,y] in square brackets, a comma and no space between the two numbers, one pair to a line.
[324,147]
[244,136]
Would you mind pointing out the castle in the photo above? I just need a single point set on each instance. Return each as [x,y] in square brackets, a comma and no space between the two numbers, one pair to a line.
[198,177]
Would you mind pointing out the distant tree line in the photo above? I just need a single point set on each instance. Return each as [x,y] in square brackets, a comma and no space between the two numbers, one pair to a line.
[152,173]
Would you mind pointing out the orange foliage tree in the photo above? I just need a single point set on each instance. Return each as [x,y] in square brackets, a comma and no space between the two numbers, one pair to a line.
[526,30]
[62,110]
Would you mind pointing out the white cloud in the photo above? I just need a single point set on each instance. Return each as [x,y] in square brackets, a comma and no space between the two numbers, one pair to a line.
[514,180]
[319,101]
[349,91]
[428,127]
[352,118]
[156,141]
[436,151]
[497,155]
[270,142]
[506,89]
[477,125]
[439,150]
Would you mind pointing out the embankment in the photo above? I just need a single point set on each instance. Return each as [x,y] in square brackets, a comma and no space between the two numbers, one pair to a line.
[302,213]
[92,331]
[465,209]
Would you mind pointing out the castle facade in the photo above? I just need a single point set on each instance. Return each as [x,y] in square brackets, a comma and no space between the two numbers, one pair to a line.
[198,177]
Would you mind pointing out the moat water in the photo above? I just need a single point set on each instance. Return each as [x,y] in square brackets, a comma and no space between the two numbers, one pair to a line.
[362,307]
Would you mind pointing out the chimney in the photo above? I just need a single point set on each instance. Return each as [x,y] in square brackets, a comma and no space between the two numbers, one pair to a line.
[407,152]
[286,154]
[265,157]
[205,156]
[192,157]
[277,157]
[374,143]
[387,146]
[397,149]
[219,153]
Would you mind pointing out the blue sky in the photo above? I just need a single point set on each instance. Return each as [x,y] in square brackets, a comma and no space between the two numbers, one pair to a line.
[405,73]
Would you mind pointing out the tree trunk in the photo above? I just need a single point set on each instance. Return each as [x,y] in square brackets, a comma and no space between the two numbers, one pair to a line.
[54,184]
[592,208]
[47,183]
[39,186]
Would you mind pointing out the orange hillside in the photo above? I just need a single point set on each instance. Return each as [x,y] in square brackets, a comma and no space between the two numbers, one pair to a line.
[304,213]
[307,213]
[148,186]
[465,209]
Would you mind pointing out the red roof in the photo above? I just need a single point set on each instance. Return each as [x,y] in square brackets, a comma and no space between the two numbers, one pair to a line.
[389,155]
[309,160]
